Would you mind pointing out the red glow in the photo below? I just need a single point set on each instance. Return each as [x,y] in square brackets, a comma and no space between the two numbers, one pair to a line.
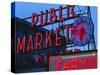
[53,16]
[39,39]
[81,33]
[30,43]
[43,21]
[58,38]
[21,45]
[49,38]
[34,19]
[74,63]
[60,12]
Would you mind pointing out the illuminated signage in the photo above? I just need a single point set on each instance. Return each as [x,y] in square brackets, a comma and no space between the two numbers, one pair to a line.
[73,62]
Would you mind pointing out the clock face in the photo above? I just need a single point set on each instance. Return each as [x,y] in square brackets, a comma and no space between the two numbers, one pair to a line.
[82,31]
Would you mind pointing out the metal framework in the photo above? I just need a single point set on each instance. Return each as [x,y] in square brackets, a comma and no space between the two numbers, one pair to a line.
[85,11]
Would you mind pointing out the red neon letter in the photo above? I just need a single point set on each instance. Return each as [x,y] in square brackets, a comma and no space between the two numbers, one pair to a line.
[48,39]
[58,37]
[60,14]
[43,21]
[83,63]
[65,65]
[53,16]
[39,39]
[21,45]
[34,19]
[73,12]
[30,43]
[58,63]
[74,64]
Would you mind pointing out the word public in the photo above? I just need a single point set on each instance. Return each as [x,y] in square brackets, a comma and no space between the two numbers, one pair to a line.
[54,15]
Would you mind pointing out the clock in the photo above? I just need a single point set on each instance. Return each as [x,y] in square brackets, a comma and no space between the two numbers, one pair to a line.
[82,31]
